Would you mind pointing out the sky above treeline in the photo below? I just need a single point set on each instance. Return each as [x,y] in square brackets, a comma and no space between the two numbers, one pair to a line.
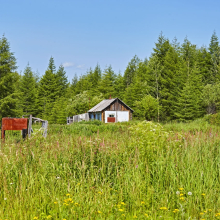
[81,33]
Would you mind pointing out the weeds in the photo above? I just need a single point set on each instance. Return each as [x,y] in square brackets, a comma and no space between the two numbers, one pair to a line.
[98,171]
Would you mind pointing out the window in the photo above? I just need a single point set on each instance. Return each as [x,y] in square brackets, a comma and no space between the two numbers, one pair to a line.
[111,116]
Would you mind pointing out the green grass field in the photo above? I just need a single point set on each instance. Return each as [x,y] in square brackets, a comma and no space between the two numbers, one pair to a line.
[90,170]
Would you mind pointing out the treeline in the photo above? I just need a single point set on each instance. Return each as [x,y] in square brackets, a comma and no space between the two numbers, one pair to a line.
[178,82]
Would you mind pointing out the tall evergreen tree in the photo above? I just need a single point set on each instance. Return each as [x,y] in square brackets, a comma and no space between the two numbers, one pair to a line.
[214,50]
[106,85]
[130,71]
[28,89]
[62,81]
[48,90]
[161,47]
[190,100]
[8,80]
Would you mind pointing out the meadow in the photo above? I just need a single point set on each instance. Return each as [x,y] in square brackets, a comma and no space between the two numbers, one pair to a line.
[90,170]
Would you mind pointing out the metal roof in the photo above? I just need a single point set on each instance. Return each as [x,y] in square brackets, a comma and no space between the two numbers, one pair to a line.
[102,105]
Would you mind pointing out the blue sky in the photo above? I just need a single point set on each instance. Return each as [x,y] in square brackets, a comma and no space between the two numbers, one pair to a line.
[81,33]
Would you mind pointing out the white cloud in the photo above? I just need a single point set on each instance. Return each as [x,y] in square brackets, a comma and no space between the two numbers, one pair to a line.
[68,64]
[80,66]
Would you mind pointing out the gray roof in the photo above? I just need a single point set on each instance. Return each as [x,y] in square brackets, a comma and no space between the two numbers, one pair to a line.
[102,105]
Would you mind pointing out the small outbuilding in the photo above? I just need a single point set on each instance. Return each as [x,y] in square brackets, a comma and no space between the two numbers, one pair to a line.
[111,110]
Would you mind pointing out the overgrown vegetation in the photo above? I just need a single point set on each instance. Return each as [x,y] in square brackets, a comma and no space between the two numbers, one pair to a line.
[90,170]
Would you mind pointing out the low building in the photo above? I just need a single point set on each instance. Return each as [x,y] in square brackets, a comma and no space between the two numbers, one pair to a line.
[111,110]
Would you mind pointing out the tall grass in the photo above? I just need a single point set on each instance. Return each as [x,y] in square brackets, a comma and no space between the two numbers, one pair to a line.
[97,171]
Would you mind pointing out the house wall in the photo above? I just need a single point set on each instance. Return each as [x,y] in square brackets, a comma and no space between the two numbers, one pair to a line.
[95,116]
[120,116]
[117,106]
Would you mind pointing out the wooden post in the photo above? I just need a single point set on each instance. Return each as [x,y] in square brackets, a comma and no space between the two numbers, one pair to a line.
[2,133]
[30,126]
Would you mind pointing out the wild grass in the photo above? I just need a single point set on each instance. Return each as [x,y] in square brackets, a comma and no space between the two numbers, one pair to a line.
[117,171]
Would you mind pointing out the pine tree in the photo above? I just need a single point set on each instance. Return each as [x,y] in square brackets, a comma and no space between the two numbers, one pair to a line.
[106,85]
[204,62]
[58,113]
[62,81]
[119,87]
[162,47]
[28,89]
[8,80]
[48,91]
[52,66]
[190,100]
[130,71]
[170,83]
[214,50]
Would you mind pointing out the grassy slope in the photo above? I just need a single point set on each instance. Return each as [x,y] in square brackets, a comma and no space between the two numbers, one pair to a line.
[96,171]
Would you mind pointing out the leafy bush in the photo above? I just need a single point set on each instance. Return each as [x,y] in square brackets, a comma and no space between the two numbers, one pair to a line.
[148,134]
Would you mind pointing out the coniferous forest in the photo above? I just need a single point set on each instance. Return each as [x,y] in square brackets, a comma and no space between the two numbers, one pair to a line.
[179,81]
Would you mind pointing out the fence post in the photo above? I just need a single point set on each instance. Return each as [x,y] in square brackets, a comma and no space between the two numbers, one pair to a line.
[30,126]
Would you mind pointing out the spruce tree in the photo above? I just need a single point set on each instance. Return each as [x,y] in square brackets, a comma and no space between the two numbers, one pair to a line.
[8,80]
[130,71]
[58,113]
[161,48]
[28,89]
[190,100]
[214,51]
[170,83]
[106,85]
[48,91]
[62,81]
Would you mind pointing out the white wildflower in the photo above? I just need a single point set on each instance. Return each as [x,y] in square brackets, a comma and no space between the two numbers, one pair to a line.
[177,192]
[189,193]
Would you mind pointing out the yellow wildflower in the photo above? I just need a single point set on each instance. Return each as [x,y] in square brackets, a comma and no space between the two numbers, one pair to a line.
[217,214]
[68,194]
[122,203]
[135,216]
[163,208]
[55,202]
[35,217]
[210,210]
[100,193]
[181,189]
[142,202]
[49,216]
[123,215]
[181,194]
[146,215]
[201,213]
[176,210]
[182,198]
[203,194]
[99,212]
[121,210]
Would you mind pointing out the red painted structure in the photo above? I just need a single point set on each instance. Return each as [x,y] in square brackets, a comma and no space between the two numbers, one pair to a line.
[14,124]
[111,119]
